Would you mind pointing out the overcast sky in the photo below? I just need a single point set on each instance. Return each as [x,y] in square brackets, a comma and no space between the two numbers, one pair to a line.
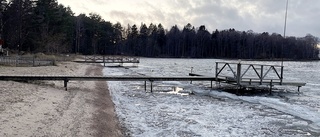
[257,15]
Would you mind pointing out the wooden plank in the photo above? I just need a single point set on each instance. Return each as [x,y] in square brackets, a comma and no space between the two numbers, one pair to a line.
[107,78]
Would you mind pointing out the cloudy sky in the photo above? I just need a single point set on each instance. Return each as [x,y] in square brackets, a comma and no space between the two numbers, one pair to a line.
[257,15]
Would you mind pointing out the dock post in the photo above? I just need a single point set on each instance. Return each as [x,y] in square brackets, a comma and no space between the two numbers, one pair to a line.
[145,85]
[66,84]
[270,90]
[211,84]
[151,86]
[191,73]
[239,74]
[261,75]
[281,75]
[217,69]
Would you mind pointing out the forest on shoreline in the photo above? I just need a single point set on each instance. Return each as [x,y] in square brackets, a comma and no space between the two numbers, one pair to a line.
[28,26]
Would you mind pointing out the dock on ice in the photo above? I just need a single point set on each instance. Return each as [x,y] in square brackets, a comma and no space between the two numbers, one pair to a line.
[250,75]
[241,75]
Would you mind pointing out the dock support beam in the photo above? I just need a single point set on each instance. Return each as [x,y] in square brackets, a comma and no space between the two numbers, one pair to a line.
[151,86]
[281,79]
[261,75]
[217,69]
[66,84]
[239,74]
[271,84]
[104,60]
[145,85]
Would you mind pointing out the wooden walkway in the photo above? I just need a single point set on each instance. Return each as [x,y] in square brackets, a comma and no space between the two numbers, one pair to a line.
[66,79]
[110,59]
[237,76]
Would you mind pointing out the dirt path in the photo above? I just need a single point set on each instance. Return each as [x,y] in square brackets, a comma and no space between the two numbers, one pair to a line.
[105,120]
[44,108]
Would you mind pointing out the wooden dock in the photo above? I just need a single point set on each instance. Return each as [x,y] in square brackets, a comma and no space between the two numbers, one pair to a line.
[236,74]
[110,59]
[66,79]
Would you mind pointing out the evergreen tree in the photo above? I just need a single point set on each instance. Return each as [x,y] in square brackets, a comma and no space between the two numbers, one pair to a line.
[52,26]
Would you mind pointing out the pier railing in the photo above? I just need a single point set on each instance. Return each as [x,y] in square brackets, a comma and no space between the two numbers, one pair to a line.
[258,73]
[111,59]
[19,61]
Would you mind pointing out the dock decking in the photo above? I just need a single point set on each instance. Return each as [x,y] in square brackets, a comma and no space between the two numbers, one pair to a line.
[66,79]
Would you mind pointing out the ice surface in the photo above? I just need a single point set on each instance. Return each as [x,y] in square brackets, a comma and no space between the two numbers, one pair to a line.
[210,112]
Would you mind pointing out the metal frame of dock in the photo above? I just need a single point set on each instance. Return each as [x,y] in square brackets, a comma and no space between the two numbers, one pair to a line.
[260,75]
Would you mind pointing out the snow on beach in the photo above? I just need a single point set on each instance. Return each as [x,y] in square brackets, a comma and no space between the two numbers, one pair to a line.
[212,113]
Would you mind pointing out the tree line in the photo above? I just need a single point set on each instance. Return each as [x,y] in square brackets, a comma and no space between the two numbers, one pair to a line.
[45,26]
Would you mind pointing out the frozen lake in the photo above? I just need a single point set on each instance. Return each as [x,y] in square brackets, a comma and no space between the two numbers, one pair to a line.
[165,112]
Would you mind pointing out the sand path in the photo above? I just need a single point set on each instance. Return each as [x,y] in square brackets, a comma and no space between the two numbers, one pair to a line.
[44,108]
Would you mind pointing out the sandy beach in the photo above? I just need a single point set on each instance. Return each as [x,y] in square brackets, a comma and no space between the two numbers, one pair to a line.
[44,108]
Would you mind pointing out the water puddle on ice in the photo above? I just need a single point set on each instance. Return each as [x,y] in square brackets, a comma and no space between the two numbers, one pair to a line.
[179,91]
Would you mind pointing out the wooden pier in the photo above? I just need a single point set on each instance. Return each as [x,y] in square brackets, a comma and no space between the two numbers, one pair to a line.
[66,79]
[241,75]
[111,59]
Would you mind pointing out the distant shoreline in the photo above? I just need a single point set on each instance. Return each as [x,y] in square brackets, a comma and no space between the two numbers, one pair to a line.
[298,60]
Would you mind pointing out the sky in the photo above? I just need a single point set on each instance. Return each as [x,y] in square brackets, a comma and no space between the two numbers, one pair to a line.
[243,15]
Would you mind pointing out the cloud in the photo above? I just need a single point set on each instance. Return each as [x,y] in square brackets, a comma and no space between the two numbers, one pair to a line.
[257,15]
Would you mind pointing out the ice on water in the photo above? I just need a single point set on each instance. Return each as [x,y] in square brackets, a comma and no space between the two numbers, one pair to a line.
[166,112]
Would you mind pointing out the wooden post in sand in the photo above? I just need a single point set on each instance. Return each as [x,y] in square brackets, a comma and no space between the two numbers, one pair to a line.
[145,85]
[66,84]
[151,86]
